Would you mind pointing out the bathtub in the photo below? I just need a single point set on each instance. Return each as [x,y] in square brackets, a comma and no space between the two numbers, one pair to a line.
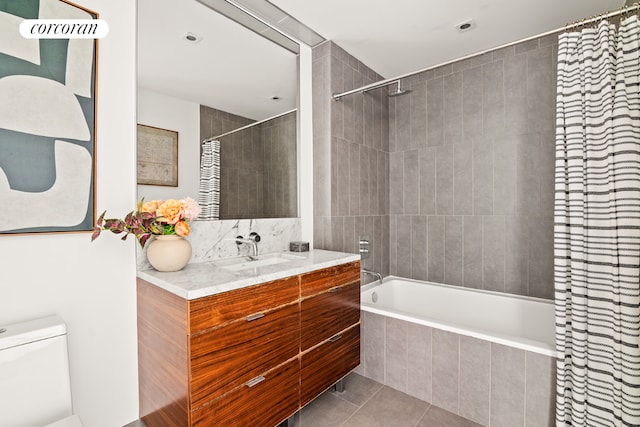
[521,322]
[486,356]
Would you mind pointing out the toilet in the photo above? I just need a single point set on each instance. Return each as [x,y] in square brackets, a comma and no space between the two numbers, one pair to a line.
[35,390]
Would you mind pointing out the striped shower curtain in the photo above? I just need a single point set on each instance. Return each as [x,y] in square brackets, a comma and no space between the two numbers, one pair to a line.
[209,193]
[597,226]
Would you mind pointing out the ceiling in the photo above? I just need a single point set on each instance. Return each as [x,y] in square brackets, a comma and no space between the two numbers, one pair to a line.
[235,70]
[231,68]
[401,36]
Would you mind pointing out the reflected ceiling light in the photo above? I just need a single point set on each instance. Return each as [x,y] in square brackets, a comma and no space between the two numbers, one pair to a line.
[467,25]
[192,38]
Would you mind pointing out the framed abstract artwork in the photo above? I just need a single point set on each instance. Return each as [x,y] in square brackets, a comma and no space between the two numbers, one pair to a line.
[157,156]
[47,123]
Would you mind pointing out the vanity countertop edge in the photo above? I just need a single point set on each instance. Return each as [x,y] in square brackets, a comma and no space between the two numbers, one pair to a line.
[208,278]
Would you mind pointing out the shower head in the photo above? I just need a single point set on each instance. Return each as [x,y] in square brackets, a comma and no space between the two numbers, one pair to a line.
[397,90]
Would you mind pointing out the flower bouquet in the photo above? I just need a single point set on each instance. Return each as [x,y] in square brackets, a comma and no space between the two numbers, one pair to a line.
[157,217]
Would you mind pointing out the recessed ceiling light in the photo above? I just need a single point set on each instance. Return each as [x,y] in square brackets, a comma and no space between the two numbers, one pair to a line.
[192,38]
[467,25]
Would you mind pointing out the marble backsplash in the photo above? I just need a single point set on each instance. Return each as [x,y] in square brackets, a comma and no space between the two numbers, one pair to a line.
[211,240]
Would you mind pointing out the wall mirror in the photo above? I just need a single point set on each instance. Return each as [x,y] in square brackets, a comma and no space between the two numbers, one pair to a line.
[203,75]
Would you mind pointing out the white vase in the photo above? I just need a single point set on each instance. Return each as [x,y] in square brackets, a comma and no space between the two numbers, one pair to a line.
[169,253]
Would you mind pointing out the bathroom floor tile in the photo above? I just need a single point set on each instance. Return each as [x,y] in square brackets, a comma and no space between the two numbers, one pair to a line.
[438,417]
[326,410]
[358,389]
[389,407]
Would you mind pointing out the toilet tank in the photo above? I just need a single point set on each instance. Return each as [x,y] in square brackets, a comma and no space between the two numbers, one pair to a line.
[34,373]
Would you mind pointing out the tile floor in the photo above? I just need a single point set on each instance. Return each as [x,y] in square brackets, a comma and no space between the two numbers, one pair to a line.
[367,403]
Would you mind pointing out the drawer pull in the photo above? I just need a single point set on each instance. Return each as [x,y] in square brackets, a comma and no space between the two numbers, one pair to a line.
[334,289]
[335,338]
[255,381]
[255,317]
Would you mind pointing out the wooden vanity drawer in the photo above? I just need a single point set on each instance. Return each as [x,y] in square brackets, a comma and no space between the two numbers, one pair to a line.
[322,366]
[227,357]
[226,307]
[265,404]
[324,315]
[322,280]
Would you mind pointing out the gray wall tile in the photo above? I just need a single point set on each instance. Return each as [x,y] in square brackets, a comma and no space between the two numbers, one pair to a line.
[419,247]
[475,379]
[419,361]
[482,177]
[427,181]
[504,176]
[453,251]
[462,180]
[445,374]
[411,182]
[515,93]
[493,252]
[354,179]
[404,244]
[374,348]
[493,98]
[393,245]
[528,176]
[435,248]
[453,108]
[507,386]
[516,267]
[472,102]
[540,90]
[396,183]
[418,102]
[444,180]
[540,390]
[472,251]
[395,360]
[541,257]
[435,116]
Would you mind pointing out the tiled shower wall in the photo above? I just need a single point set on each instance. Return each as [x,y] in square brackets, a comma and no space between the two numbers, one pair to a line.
[472,169]
[257,165]
[351,157]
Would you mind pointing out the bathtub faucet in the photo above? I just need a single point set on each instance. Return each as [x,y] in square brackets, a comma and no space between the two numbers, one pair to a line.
[372,273]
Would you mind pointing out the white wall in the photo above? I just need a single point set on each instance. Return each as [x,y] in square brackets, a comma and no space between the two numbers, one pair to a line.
[162,111]
[91,285]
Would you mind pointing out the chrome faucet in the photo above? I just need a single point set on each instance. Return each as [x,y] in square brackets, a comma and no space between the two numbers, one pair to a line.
[372,273]
[252,241]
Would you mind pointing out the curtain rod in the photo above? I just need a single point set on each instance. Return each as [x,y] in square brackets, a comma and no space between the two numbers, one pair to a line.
[213,138]
[387,82]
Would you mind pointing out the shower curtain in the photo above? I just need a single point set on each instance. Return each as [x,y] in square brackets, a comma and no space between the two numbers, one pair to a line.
[597,226]
[209,193]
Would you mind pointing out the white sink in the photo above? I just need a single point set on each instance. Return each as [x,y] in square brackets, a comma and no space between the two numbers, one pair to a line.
[262,261]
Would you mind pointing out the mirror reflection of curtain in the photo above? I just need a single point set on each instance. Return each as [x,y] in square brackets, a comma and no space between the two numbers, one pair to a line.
[209,193]
[597,226]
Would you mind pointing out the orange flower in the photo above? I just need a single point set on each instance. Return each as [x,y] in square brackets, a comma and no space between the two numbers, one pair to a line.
[170,211]
[182,229]
[150,207]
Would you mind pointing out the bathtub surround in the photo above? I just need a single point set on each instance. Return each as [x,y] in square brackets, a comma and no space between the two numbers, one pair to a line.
[211,240]
[351,159]
[489,383]
[471,172]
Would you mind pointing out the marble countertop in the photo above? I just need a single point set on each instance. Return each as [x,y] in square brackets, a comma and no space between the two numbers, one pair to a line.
[202,279]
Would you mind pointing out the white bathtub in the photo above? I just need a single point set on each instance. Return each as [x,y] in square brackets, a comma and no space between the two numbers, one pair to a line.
[522,322]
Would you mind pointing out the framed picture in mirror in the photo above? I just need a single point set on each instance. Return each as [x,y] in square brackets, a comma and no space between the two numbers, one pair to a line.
[157,156]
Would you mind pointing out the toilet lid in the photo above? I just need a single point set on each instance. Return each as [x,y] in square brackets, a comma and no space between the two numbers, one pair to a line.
[72,421]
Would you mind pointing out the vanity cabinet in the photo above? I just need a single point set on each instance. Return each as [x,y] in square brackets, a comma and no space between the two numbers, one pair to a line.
[248,357]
